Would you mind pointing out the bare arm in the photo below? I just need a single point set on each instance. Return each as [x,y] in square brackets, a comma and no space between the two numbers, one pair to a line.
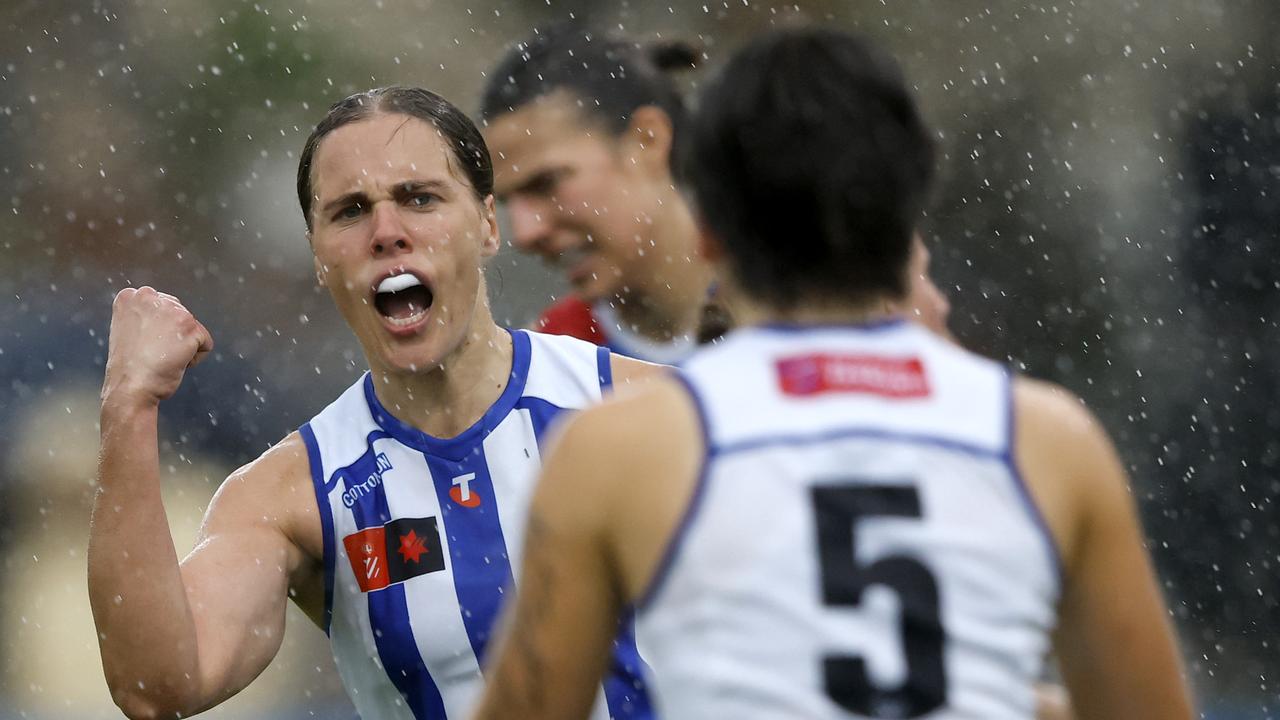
[1114,639]
[632,373]
[176,639]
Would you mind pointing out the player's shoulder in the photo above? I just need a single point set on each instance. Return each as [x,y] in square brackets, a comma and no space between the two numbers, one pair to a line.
[277,473]
[572,316]
[624,457]
[1067,460]
[652,423]
[275,487]
[1048,408]
[632,373]
[569,351]
[285,459]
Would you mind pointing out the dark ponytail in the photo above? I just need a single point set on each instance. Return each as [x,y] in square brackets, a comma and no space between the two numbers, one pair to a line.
[611,75]
[673,55]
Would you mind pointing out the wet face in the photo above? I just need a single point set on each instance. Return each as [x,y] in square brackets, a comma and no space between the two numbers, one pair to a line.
[399,238]
[576,195]
[926,303]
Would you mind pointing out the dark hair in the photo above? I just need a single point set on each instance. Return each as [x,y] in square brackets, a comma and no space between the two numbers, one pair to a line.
[809,159]
[611,75]
[464,140]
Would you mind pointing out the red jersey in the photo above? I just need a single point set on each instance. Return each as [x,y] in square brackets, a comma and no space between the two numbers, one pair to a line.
[573,317]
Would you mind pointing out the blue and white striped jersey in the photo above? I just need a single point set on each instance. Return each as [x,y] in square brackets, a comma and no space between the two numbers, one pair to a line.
[422,535]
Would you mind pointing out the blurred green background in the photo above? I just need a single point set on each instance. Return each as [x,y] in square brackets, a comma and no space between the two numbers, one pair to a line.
[1106,218]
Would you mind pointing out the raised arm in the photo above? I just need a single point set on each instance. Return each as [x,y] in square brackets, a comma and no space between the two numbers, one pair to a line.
[1114,639]
[176,639]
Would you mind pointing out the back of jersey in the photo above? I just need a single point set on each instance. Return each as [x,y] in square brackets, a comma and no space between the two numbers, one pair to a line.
[860,544]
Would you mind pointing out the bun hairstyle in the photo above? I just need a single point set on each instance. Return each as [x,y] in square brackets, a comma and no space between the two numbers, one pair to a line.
[673,55]
[610,75]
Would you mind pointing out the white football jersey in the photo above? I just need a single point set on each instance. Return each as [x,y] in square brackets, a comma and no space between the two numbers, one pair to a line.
[860,543]
[422,535]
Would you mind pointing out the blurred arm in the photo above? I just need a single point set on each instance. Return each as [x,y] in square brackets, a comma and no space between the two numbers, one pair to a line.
[603,514]
[555,645]
[1114,639]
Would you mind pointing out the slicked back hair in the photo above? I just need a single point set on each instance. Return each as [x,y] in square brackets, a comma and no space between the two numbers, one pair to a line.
[461,135]
[809,160]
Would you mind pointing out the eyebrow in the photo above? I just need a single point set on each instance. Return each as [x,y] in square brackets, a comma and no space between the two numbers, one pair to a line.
[535,179]
[352,198]
[399,190]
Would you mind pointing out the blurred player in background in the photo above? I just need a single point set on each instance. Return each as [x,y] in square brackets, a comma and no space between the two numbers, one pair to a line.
[393,518]
[582,125]
[833,513]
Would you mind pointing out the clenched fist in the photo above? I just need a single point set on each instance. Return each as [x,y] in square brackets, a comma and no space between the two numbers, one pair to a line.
[154,339]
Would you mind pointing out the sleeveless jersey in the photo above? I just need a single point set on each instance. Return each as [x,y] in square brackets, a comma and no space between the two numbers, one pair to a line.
[860,543]
[422,535]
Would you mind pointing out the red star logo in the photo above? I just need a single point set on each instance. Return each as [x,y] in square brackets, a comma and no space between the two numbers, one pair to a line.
[412,547]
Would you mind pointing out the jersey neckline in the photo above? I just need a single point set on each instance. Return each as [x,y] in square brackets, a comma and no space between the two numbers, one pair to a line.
[887,323]
[457,447]
[632,344]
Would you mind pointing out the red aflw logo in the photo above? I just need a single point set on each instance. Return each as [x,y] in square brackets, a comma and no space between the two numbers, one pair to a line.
[890,377]
[392,553]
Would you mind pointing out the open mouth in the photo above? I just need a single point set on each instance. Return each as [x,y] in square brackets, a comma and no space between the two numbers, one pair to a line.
[402,299]
[575,264]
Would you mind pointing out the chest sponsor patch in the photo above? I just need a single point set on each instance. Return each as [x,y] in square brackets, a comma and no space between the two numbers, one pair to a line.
[461,492]
[898,378]
[402,549]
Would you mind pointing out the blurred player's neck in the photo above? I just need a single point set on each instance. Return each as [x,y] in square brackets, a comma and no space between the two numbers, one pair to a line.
[444,400]
[747,311]
[667,302]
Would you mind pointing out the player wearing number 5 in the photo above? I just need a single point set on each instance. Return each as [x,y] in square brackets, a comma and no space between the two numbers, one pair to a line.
[833,514]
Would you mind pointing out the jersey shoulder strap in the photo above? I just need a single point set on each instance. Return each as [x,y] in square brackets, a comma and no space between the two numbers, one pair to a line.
[564,370]
[341,430]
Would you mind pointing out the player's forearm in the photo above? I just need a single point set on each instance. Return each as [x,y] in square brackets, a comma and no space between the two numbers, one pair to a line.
[145,629]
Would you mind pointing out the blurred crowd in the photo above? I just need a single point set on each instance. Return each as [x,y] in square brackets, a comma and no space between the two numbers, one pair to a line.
[1106,219]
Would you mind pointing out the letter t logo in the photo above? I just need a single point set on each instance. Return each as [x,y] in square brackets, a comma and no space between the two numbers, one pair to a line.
[461,491]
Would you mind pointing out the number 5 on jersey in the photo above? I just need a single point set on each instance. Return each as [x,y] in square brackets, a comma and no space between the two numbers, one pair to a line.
[838,510]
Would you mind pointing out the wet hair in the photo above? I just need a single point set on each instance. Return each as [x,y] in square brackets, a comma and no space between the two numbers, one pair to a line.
[465,141]
[809,160]
[610,75]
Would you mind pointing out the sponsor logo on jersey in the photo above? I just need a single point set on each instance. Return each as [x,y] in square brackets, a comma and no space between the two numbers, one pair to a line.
[898,378]
[360,487]
[462,493]
[402,549]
